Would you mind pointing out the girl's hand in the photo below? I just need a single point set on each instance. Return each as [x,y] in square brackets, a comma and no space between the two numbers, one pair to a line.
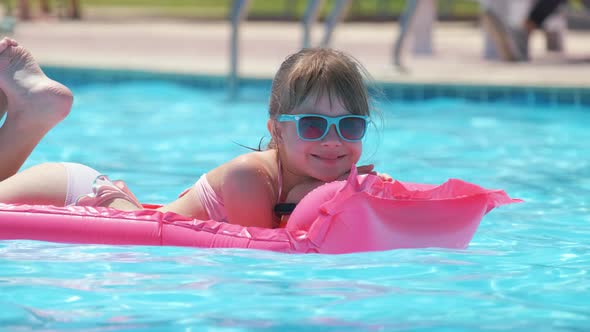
[368,169]
[299,191]
[385,177]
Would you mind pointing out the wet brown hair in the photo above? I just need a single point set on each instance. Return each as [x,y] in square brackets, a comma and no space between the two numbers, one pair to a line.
[315,72]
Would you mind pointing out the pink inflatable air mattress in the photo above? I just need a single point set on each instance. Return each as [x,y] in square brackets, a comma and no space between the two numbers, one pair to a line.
[363,213]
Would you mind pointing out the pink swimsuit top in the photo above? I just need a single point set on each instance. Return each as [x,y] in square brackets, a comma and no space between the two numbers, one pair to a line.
[213,203]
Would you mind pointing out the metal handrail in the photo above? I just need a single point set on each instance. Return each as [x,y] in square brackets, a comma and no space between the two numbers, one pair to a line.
[405,23]
[239,12]
[336,15]
[312,12]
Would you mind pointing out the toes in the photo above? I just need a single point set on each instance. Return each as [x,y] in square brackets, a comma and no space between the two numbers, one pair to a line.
[3,44]
[7,42]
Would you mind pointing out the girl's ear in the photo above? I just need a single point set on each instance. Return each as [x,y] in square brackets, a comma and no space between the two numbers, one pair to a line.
[274,130]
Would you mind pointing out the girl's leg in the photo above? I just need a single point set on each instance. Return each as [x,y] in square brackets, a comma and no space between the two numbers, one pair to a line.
[32,102]
[62,184]
[44,184]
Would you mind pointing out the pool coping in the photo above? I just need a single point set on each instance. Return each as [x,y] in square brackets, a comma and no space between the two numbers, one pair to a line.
[198,47]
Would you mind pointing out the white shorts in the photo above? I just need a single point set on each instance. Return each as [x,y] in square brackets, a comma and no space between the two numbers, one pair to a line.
[80,181]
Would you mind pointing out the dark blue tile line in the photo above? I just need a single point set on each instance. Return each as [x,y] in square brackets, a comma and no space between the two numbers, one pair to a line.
[82,76]
[526,95]
[522,95]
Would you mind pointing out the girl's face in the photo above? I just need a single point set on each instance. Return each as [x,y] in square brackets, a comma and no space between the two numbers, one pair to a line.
[326,159]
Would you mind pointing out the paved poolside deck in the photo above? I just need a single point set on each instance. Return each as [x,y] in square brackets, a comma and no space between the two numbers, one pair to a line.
[203,47]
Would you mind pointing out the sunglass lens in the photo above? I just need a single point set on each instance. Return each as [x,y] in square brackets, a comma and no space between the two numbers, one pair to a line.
[353,128]
[312,127]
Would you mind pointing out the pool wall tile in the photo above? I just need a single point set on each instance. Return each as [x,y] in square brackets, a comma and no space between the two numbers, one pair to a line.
[406,92]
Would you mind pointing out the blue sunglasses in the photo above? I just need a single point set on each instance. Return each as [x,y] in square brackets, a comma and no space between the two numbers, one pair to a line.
[314,127]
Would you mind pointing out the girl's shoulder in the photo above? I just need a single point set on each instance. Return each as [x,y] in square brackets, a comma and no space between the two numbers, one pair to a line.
[259,161]
[250,169]
[248,185]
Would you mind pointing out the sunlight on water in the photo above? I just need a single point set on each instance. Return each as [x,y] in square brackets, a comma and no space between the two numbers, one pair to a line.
[526,268]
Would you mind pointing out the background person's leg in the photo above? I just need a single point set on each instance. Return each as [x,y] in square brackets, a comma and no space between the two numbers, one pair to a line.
[540,11]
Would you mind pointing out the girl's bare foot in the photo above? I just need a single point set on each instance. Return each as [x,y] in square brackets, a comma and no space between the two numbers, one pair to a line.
[31,99]
[32,102]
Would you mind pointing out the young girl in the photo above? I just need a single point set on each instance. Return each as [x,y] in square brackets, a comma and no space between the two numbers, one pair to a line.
[318,115]
[33,104]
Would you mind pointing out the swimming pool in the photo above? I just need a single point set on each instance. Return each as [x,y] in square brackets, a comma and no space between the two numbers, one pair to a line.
[526,268]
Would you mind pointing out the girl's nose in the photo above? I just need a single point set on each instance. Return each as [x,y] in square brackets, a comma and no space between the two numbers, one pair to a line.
[332,137]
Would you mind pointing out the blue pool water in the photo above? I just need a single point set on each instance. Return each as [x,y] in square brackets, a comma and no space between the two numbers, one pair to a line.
[527,268]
